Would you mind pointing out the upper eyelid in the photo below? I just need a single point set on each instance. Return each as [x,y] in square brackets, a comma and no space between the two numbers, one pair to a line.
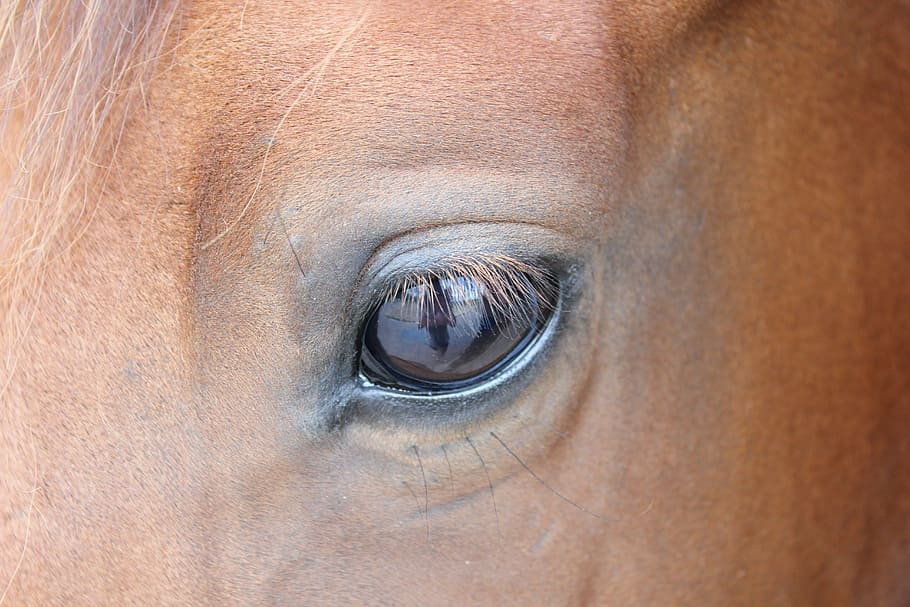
[371,267]
[501,275]
[434,247]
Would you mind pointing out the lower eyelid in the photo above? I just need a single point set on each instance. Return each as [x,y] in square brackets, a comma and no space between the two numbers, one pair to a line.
[421,415]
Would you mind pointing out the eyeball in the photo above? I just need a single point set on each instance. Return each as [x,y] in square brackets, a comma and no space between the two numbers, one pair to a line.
[449,332]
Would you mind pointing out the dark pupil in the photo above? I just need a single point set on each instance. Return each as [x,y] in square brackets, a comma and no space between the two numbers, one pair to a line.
[446,335]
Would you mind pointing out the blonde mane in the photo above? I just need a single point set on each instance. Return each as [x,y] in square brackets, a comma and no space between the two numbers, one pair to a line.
[72,70]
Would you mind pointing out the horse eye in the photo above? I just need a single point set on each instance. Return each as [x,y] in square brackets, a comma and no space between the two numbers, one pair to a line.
[448,334]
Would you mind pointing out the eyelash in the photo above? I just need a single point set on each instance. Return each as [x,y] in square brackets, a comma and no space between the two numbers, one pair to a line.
[507,283]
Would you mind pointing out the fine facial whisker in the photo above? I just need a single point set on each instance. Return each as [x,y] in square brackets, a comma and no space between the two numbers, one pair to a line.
[426,492]
[545,483]
[445,453]
[284,228]
[490,484]
[414,495]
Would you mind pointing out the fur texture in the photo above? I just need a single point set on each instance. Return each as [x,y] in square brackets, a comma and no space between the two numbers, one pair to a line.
[191,191]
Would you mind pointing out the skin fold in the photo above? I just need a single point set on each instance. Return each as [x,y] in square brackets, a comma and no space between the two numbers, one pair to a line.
[720,417]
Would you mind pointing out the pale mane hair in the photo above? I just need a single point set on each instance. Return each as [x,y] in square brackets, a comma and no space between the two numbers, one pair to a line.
[72,70]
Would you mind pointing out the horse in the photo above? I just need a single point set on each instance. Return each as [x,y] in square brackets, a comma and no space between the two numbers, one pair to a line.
[439,303]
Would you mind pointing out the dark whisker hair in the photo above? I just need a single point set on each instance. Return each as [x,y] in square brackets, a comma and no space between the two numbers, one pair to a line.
[547,485]
[426,492]
[445,452]
[486,472]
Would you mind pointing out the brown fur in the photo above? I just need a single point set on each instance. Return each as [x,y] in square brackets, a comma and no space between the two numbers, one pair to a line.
[192,193]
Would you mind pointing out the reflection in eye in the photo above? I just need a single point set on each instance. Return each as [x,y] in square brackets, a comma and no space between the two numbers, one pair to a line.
[450,330]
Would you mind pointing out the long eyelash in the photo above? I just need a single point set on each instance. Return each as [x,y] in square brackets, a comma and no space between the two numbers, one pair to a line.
[509,286]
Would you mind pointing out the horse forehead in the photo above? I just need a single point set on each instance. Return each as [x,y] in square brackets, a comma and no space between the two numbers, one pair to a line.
[468,64]
[491,27]
[353,89]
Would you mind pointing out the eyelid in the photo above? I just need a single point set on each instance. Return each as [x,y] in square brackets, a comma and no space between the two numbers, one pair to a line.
[383,406]
[428,249]
[507,280]
[368,405]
